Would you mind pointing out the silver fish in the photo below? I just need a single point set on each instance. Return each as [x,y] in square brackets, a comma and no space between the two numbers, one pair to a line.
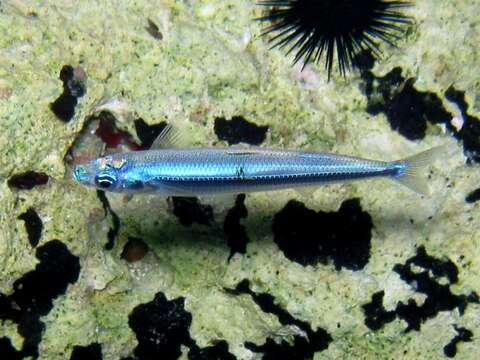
[198,171]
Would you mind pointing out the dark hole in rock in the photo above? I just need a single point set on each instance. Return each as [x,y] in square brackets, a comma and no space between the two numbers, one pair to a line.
[153,30]
[33,225]
[134,250]
[110,134]
[235,232]
[64,107]
[438,296]
[148,133]
[470,131]
[73,87]
[238,130]
[161,327]
[89,352]
[99,135]
[364,61]
[473,196]
[407,109]
[7,351]
[302,348]
[308,237]
[219,351]
[27,180]
[189,210]
[375,314]
[34,292]
[115,228]
[463,335]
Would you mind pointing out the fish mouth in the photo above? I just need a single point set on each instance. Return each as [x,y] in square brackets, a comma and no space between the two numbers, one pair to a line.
[80,174]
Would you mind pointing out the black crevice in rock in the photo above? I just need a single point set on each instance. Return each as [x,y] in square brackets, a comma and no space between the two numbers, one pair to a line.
[302,348]
[375,314]
[115,228]
[89,352]
[161,327]
[463,335]
[235,232]
[148,133]
[309,237]
[27,180]
[218,351]
[34,293]
[473,196]
[73,88]
[189,210]
[438,296]
[238,130]
[33,225]
[109,133]
[409,110]
[470,131]
[7,351]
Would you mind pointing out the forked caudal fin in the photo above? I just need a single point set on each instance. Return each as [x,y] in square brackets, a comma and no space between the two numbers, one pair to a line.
[413,176]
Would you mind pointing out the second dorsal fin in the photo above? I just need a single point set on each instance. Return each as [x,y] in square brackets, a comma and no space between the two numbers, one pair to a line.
[170,138]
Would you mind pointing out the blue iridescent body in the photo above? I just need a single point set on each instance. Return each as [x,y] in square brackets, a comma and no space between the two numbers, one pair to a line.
[170,170]
[225,170]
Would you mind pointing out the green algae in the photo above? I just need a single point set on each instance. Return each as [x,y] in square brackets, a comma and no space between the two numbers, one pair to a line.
[212,63]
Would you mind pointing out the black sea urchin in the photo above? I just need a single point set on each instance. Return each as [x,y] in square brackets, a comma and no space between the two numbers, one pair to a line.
[312,27]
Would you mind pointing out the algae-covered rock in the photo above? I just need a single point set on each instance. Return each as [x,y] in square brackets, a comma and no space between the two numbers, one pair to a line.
[356,270]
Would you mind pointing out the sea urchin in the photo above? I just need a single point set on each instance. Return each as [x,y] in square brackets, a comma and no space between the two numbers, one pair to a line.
[315,27]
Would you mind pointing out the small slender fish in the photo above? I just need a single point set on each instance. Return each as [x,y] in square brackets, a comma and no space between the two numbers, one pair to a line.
[172,171]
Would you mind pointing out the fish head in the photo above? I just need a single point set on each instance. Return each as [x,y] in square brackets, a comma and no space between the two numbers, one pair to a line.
[103,173]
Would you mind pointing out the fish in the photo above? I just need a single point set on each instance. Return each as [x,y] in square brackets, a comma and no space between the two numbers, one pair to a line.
[170,169]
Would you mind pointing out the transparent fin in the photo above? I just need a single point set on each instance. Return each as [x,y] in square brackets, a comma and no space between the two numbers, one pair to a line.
[170,138]
[413,177]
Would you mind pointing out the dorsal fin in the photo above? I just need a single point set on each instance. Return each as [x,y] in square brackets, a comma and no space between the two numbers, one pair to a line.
[169,138]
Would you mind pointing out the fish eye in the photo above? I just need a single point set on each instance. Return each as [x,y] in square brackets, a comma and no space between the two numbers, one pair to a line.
[105,181]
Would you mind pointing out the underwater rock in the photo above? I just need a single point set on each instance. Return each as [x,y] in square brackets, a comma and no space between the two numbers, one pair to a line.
[115,228]
[303,347]
[7,350]
[148,133]
[439,297]
[406,108]
[134,250]
[161,327]
[469,132]
[473,196]
[463,335]
[219,351]
[189,210]
[89,352]
[27,180]
[309,237]
[238,130]
[33,225]
[211,64]
[73,87]
[34,293]
[235,232]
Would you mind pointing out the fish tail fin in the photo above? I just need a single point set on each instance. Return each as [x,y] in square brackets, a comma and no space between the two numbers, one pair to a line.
[411,173]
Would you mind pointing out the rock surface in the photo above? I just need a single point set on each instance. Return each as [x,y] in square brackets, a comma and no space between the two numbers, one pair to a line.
[232,278]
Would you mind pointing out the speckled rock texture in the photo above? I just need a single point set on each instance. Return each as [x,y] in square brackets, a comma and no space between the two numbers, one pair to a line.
[365,270]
